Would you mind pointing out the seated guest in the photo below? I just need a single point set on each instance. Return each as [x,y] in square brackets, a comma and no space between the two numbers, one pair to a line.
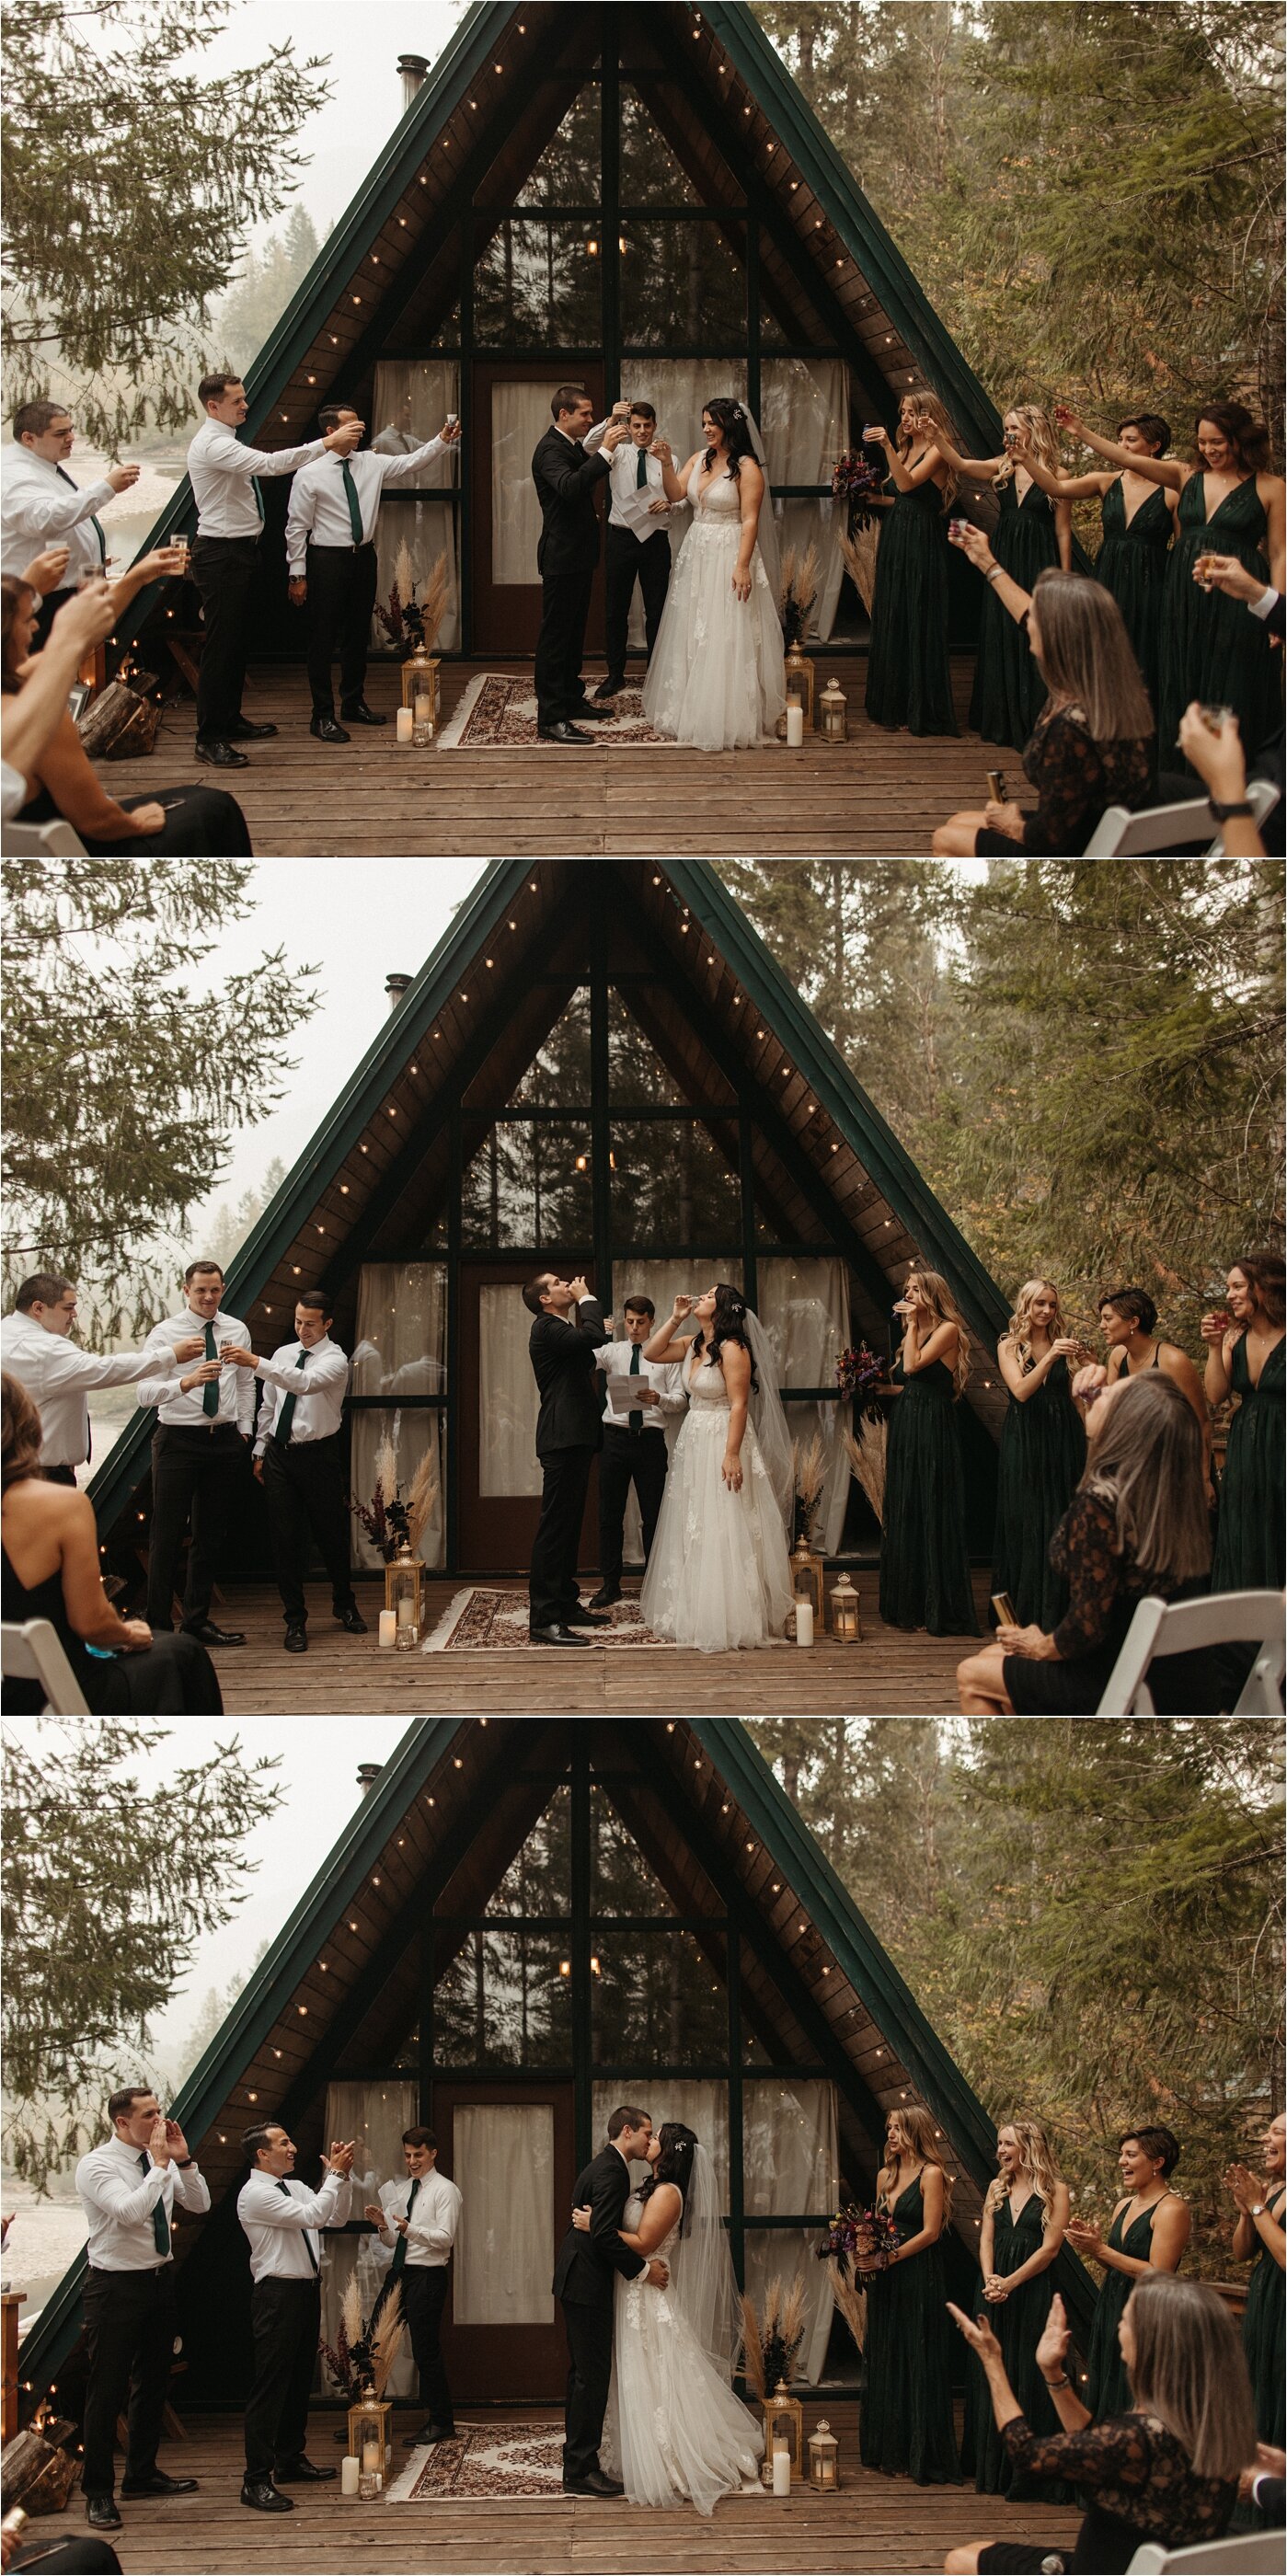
[28,723]
[50,1570]
[1093,743]
[1137,1524]
[86,2557]
[1166,2469]
[181,822]
[1127,1317]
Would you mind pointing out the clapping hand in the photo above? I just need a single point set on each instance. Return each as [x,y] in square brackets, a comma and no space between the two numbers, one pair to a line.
[1052,2349]
[1247,2187]
[1084,2236]
[340,2159]
[978,2334]
[376,2215]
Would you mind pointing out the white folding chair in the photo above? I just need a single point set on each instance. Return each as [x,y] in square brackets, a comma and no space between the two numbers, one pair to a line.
[32,1653]
[1249,2553]
[1122,835]
[40,841]
[1218,1619]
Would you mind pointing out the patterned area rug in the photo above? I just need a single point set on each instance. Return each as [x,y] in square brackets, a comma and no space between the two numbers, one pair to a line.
[498,713]
[494,1621]
[485,2461]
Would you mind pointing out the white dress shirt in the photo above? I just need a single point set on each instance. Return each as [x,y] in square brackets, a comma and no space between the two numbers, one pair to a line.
[318,506]
[13,792]
[319,1389]
[1258,607]
[434,2220]
[664,1376]
[58,1376]
[41,506]
[118,2199]
[161,1386]
[221,470]
[281,2225]
[632,503]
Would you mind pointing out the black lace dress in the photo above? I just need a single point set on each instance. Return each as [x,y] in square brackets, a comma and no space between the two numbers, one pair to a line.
[1076,779]
[173,1677]
[1104,1589]
[1139,2487]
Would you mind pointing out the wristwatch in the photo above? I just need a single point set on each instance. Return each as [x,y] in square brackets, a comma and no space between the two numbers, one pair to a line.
[1257,2209]
[1222,813]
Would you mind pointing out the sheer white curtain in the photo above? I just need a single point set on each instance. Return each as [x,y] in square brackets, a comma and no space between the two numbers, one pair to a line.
[411,402]
[791,2165]
[503,2160]
[507,1397]
[658,1280]
[701,2105]
[805,428]
[401,1349]
[374,2115]
[804,1308]
[520,416]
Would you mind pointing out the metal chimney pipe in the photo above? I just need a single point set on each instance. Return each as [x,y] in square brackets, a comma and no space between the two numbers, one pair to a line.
[414,69]
[397,987]
[367,1775]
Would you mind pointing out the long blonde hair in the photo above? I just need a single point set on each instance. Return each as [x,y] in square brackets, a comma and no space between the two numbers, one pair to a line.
[944,1308]
[1019,1328]
[925,401]
[1040,2163]
[926,2143]
[1043,435]
[1191,2373]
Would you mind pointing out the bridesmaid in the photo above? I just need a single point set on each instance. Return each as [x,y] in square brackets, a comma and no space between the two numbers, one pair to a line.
[1259,2239]
[909,677]
[1245,1357]
[1149,2233]
[924,1555]
[1139,523]
[906,2418]
[1031,534]
[1043,1451]
[1229,504]
[1025,2215]
[1127,1318]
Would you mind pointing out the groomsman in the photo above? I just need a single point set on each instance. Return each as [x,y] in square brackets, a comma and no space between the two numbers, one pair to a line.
[299,1463]
[35,1348]
[281,2222]
[225,478]
[417,2220]
[568,1433]
[637,544]
[566,480]
[330,552]
[205,1418]
[42,505]
[634,1443]
[129,2191]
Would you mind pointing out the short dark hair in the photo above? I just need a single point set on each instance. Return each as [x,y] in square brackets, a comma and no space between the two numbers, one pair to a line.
[644,410]
[255,2140]
[626,2118]
[1159,2142]
[1151,426]
[566,398]
[32,419]
[120,2105]
[331,414]
[194,1267]
[638,1306]
[213,388]
[44,1288]
[532,1292]
[420,2138]
[316,1303]
[1135,1302]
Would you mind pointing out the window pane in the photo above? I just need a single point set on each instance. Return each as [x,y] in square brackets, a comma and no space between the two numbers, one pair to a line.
[806,417]
[656,2001]
[502,2001]
[528,1185]
[536,286]
[788,317]
[568,172]
[558,1076]
[637,1077]
[505,2251]
[650,174]
[671,1184]
[620,1879]
[539,1878]
[682,283]
[400,1350]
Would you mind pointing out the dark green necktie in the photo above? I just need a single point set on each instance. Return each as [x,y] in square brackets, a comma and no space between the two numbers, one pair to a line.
[635,1420]
[350,495]
[400,2249]
[281,1427]
[160,2223]
[308,2241]
[641,475]
[259,498]
[94,523]
[210,1391]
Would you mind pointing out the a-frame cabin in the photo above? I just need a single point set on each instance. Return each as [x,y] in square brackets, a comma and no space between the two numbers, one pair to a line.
[523,1923]
[601,1068]
[640,197]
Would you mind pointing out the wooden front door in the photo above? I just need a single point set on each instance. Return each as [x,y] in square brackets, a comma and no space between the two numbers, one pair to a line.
[499,1490]
[511,411]
[509,2148]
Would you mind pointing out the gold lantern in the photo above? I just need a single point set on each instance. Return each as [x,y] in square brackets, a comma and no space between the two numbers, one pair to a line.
[404,1581]
[420,693]
[807,1568]
[798,674]
[833,718]
[846,1618]
[369,2435]
[783,2422]
[824,2456]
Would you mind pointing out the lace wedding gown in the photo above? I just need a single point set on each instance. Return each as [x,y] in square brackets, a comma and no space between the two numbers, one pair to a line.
[715,678]
[674,2432]
[719,1575]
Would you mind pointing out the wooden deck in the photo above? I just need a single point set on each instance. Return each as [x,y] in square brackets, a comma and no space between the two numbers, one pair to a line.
[878,795]
[890,1674]
[870,2523]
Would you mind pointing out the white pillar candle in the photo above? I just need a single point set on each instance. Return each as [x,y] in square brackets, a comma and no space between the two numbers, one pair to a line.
[795,725]
[388,1627]
[405,1608]
[349,2476]
[405,722]
[803,1623]
[424,712]
[781,2469]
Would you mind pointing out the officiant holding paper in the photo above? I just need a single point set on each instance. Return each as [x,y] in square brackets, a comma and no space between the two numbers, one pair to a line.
[642,1395]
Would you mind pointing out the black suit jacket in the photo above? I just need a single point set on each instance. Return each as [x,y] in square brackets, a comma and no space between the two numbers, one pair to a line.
[586,2264]
[563,1359]
[566,481]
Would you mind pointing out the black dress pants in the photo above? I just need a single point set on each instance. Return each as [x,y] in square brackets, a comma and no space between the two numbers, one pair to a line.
[195,1478]
[304,1491]
[626,561]
[129,2338]
[223,569]
[341,597]
[285,2320]
[626,1458]
[565,606]
[589,2334]
[424,2296]
[565,1480]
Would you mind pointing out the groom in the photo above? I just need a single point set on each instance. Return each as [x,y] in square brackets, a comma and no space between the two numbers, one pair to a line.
[583,2284]
[563,1344]
[566,481]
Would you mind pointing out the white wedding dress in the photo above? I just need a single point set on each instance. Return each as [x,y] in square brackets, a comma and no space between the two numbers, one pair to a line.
[715,678]
[674,2432]
[719,1575]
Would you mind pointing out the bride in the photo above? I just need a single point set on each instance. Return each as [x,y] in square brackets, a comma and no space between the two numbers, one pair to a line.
[715,678]
[674,2432]
[719,1575]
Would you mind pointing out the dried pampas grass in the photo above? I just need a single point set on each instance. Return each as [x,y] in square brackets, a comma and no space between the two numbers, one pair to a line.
[433,607]
[859,552]
[810,1478]
[771,2341]
[799,585]
[866,1456]
[386,1469]
[851,2301]
[351,2313]
[422,1501]
[387,2340]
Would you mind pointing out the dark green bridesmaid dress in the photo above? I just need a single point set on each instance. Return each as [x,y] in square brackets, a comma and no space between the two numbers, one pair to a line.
[1109,2392]
[906,2418]
[1213,649]
[1131,563]
[909,678]
[1250,1553]
[1043,1451]
[1009,692]
[1263,2325]
[1018,2326]
[924,1558]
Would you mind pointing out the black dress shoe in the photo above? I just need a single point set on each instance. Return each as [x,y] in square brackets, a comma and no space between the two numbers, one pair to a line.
[580,1618]
[222,756]
[208,1635]
[158,2484]
[560,733]
[101,2513]
[263,2495]
[244,731]
[593,2484]
[325,729]
[295,1640]
[430,2433]
[555,1636]
[608,688]
[350,1617]
[603,1599]
[300,2473]
[588,713]
[362,714]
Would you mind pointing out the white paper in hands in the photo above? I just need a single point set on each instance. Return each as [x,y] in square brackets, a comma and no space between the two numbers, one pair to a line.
[631,1395]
